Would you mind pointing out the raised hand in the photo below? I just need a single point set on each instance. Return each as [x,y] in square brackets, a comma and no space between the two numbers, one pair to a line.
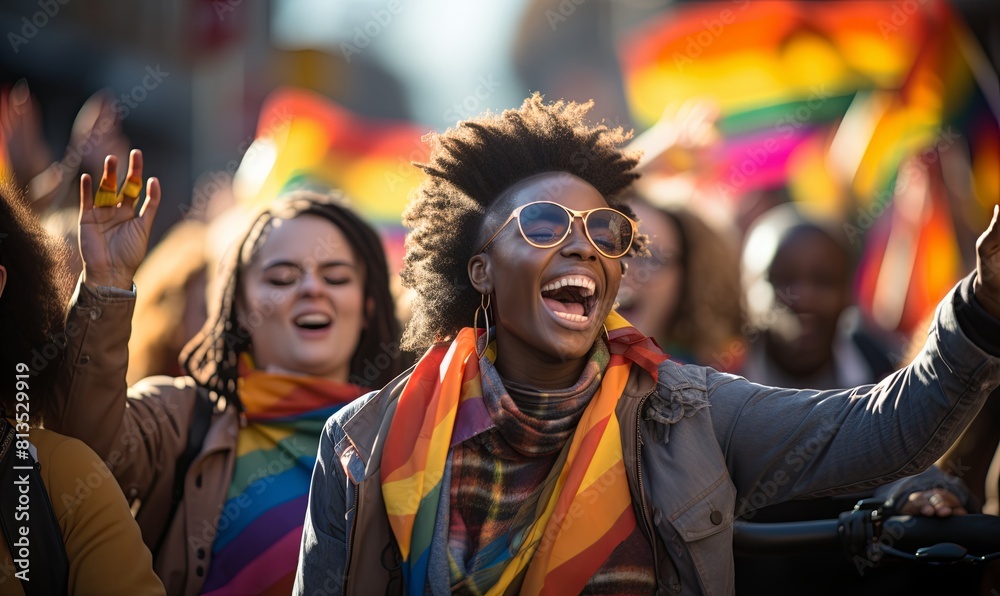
[21,126]
[113,238]
[96,132]
[681,141]
[987,285]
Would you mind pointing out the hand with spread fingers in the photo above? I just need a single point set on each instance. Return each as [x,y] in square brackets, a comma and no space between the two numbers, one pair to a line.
[936,502]
[113,238]
[987,284]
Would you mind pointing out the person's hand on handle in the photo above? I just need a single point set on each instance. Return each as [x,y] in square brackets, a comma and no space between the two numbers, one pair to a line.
[113,238]
[987,284]
[936,502]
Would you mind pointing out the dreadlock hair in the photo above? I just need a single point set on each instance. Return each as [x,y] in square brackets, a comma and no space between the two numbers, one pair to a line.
[468,171]
[212,357]
[31,305]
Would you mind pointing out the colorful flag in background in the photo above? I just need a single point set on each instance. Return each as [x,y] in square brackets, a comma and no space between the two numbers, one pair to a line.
[776,70]
[829,100]
[305,140]
[941,121]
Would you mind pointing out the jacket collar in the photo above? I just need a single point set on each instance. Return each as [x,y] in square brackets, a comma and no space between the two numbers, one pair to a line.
[372,415]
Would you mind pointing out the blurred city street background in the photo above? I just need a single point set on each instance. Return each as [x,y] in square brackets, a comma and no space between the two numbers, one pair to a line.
[822,103]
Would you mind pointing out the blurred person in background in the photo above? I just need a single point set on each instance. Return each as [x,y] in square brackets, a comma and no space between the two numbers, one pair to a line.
[177,277]
[172,304]
[797,275]
[49,184]
[558,449]
[806,335]
[24,145]
[218,462]
[686,293]
[103,552]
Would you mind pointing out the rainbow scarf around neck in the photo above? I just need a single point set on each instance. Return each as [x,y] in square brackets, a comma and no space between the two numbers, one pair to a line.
[559,552]
[256,549]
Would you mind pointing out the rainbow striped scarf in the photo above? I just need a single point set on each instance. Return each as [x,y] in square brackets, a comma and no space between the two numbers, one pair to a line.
[553,554]
[257,546]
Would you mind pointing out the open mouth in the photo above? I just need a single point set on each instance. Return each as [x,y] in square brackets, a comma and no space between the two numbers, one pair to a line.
[570,297]
[313,321]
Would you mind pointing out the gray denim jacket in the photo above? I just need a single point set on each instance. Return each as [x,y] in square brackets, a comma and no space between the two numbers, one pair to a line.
[701,447]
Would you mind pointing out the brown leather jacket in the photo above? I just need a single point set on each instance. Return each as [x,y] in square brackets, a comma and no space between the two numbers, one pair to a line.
[141,438]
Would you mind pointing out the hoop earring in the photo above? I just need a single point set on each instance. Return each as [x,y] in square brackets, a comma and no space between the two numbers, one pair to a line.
[606,334]
[484,305]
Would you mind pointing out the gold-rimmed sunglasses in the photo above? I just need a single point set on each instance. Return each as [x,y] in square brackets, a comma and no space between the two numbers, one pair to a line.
[544,224]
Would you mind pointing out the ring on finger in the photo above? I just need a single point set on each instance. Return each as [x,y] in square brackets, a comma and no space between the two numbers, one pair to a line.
[131,188]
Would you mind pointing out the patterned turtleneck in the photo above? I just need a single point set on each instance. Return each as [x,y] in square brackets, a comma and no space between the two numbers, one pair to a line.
[497,477]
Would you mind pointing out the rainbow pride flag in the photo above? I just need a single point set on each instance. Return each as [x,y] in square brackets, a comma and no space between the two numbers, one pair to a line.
[256,549]
[941,121]
[305,140]
[828,100]
[777,71]
[438,410]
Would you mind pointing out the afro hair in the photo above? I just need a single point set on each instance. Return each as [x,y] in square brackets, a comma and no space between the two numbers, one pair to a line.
[469,169]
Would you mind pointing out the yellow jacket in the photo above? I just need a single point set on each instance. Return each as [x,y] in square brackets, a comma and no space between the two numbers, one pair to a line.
[103,544]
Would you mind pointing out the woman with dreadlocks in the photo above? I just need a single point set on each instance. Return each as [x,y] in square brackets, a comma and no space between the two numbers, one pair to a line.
[541,444]
[218,462]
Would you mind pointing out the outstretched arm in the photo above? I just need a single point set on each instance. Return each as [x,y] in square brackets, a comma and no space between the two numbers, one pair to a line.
[986,286]
[814,443]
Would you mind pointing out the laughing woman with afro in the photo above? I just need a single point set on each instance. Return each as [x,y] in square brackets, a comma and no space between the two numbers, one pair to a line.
[541,443]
